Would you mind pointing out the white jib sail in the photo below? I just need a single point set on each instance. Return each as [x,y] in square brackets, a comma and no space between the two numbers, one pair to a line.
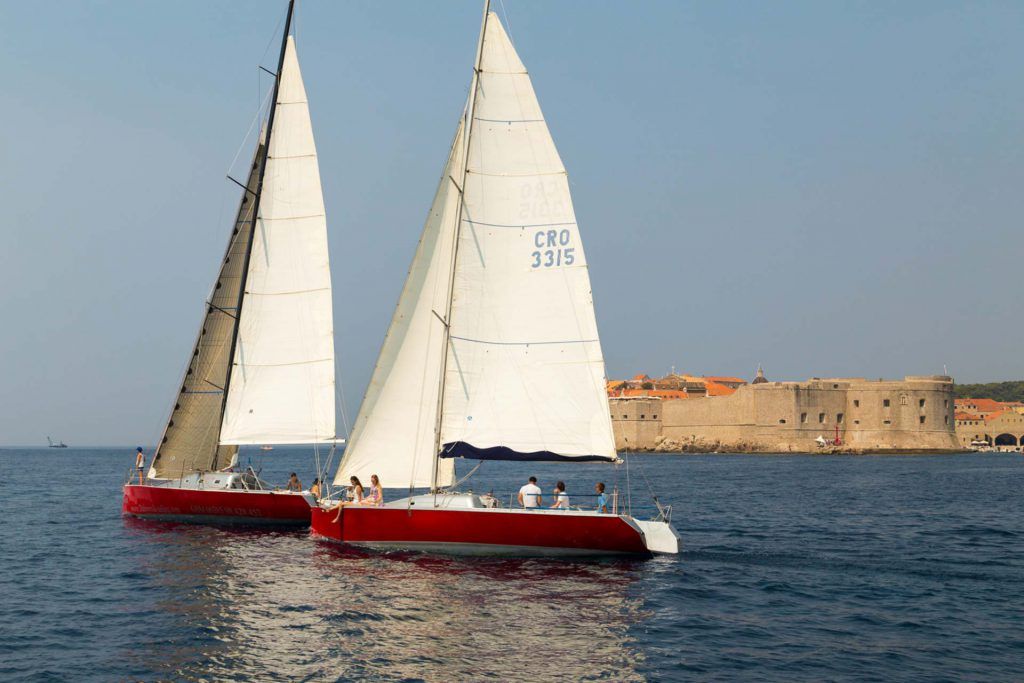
[282,380]
[393,436]
[525,370]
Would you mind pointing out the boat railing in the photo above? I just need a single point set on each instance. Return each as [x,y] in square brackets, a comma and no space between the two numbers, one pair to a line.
[617,504]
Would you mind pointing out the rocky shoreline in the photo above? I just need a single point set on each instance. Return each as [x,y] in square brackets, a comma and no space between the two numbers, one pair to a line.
[698,445]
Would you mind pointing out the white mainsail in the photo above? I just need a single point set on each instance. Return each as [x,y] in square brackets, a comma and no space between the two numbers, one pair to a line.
[282,381]
[525,374]
[523,370]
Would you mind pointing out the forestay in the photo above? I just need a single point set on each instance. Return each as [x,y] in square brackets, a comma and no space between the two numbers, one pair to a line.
[525,374]
[282,383]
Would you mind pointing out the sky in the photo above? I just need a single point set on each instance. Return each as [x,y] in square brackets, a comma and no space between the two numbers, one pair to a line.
[826,189]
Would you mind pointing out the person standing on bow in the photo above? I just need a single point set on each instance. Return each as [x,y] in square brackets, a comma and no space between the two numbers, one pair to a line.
[140,463]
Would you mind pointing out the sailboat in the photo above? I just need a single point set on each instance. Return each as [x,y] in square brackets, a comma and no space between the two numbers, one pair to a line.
[58,444]
[492,352]
[262,368]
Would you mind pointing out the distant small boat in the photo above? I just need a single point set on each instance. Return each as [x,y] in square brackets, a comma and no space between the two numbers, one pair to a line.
[266,448]
[59,444]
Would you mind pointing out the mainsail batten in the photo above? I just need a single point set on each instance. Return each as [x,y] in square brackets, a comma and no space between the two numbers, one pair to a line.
[282,384]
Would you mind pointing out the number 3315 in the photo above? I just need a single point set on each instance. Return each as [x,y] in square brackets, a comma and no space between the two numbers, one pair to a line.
[554,257]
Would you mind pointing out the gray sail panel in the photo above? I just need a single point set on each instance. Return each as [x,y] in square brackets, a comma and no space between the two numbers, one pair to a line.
[191,438]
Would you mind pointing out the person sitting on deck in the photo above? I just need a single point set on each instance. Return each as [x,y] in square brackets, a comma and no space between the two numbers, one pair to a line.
[529,494]
[355,497]
[140,462]
[315,489]
[376,496]
[355,491]
[293,483]
[561,497]
[602,502]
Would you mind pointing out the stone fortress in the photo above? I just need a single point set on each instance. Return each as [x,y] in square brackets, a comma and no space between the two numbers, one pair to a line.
[683,413]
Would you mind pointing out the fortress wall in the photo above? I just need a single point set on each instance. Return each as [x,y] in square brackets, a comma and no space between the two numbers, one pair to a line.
[790,416]
[919,414]
[636,422]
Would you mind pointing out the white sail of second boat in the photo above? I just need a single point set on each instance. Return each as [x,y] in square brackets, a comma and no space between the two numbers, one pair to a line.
[505,272]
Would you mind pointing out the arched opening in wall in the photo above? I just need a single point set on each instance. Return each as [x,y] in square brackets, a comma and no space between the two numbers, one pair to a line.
[1006,440]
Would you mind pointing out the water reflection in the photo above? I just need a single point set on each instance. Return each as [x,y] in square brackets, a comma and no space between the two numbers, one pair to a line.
[258,604]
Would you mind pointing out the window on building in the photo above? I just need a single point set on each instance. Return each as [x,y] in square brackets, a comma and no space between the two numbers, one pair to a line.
[946,418]
[885,402]
[920,403]
[803,417]
[782,421]
[887,422]
[921,419]
[856,403]
[642,416]
[903,399]
[856,422]
[821,418]
[945,403]
[835,386]
[624,417]
[839,418]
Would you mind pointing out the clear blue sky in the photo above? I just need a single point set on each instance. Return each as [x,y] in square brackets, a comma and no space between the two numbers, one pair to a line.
[827,188]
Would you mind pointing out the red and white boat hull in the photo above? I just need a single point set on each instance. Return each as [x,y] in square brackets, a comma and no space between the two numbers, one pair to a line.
[487,531]
[167,501]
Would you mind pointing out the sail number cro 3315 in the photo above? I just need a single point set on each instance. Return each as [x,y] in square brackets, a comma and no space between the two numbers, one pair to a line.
[553,249]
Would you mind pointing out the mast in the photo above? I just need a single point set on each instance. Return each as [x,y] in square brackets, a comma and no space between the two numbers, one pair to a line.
[255,217]
[461,187]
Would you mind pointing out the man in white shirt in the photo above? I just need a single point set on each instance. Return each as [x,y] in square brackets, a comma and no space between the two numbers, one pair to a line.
[529,495]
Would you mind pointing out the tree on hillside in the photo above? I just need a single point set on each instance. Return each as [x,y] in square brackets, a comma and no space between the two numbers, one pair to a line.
[997,391]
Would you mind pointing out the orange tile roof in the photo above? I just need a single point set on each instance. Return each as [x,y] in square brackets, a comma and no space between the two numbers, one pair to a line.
[985,405]
[648,393]
[714,378]
[993,416]
[959,415]
[640,377]
[716,389]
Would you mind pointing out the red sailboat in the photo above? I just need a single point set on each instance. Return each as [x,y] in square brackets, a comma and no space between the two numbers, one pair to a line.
[262,368]
[493,351]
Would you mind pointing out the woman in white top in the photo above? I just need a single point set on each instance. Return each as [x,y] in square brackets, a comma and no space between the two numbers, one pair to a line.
[355,496]
[561,497]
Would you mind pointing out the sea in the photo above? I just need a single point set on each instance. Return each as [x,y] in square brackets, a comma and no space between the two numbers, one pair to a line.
[793,568]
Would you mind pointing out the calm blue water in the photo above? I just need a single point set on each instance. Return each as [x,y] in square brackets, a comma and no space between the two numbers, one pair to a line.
[795,568]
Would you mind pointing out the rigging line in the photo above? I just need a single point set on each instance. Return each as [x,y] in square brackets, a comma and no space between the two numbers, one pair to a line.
[256,117]
[468,114]
[508,23]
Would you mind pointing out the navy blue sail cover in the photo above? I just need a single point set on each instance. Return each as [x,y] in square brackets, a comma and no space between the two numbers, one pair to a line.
[461,449]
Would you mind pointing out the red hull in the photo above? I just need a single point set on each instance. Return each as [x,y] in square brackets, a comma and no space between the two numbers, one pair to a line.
[213,506]
[490,532]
